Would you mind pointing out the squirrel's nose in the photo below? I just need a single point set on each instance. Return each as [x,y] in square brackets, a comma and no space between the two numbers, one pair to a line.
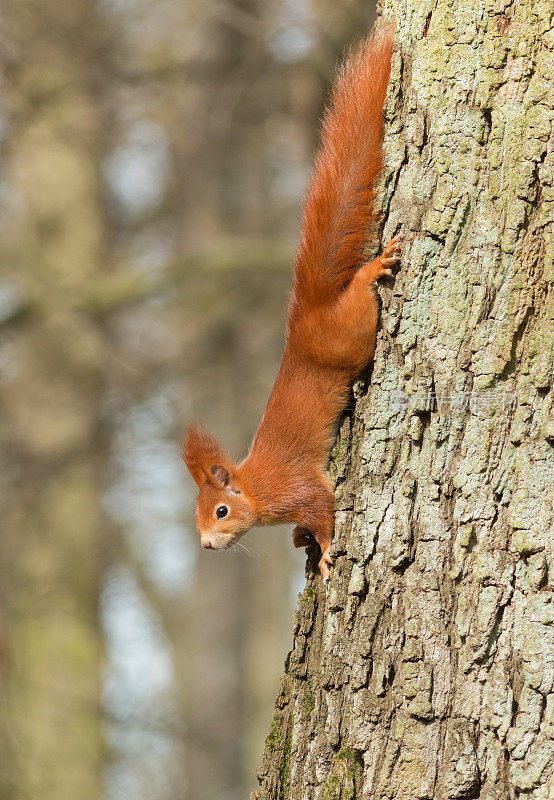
[207,544]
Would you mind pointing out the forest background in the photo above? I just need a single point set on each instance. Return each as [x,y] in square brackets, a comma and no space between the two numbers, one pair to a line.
[153,160]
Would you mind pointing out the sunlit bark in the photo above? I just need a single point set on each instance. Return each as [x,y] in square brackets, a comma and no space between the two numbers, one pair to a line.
[426,668]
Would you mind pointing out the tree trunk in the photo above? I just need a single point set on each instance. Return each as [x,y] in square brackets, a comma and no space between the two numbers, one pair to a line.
[426,670]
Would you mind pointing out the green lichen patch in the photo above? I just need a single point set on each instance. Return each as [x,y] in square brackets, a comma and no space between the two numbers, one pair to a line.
[278,750]
[273,740]
[332,789]
[346,777]
[307,598]
[284,772]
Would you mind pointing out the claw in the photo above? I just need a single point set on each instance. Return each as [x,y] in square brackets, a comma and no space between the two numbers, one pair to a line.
[393,246]
[390,256]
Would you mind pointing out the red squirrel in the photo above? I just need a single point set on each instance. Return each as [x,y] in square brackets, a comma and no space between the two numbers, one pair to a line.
[330,336]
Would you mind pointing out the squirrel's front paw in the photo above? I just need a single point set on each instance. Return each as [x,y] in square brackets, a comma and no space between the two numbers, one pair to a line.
[324,564]
[391,255]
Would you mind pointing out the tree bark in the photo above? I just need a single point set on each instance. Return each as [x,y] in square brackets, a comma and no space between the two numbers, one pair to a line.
[426,669]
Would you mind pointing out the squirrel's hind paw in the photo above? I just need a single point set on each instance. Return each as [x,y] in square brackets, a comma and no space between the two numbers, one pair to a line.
[391,255]
[324,564]
[382,265]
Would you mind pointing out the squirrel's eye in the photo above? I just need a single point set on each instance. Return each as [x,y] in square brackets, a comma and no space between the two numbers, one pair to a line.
[221,512]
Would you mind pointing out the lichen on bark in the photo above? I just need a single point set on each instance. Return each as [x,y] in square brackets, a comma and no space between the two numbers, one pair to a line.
[430,657]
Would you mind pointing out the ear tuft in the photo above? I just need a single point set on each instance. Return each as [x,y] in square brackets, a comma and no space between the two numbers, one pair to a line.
[200,451]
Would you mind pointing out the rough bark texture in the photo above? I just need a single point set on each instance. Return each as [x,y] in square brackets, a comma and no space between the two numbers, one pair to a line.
[426,670]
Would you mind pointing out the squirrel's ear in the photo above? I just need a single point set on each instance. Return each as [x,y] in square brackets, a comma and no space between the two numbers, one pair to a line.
[224,478]
[200,450]
[221,474]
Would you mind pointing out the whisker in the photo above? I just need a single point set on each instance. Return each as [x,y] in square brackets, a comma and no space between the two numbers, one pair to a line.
[246,549]
[261,550]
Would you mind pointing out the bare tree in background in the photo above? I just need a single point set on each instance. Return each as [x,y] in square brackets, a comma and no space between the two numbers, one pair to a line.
[427,667]
[54,238]
[153,156]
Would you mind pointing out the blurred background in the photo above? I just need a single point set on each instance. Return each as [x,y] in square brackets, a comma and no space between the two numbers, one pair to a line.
[153,159]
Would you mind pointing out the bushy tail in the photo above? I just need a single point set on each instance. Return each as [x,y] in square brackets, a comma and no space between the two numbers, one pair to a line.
[340,204]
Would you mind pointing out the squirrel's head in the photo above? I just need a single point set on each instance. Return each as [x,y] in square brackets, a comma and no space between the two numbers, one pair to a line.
[223,512]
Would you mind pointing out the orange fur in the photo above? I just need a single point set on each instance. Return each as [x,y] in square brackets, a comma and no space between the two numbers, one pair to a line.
[200,452]
[331,331]
[340,204]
